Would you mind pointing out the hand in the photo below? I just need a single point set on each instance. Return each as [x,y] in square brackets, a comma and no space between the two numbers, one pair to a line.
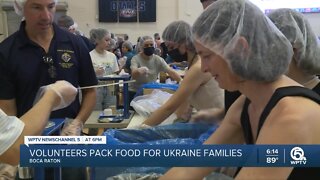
[72,127]
[144,126]
[143,70]
[100,71]
[66,91]
[212,115]
[140,126]
[7,171]
[122,61]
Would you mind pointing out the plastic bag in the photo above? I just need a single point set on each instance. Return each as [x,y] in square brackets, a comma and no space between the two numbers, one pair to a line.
[136,176]
[109,173]
[178,133]
[146,104]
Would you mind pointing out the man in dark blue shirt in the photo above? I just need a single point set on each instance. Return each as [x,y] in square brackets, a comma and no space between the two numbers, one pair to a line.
[29,66]
[40,53]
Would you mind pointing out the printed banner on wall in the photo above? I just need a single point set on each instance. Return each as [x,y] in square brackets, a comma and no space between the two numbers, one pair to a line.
[108,11]
[147,10]
[127,10]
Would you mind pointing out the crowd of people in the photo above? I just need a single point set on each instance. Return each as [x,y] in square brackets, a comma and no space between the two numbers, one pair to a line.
[245,70]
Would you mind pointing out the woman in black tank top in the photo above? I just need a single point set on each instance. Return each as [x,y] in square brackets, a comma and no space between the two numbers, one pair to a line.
[244,51]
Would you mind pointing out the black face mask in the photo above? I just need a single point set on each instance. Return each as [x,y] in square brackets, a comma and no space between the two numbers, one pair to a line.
[176,56]
[148,51]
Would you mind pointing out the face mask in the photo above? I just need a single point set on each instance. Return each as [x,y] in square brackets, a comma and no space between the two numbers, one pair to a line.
[176,56]
[148,51]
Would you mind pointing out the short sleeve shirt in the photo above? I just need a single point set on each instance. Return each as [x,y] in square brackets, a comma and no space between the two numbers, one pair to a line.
[155,64]
[10,129]
[23,69]
[107,60]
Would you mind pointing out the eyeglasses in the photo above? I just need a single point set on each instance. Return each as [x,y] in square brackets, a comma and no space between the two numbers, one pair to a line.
[51,70]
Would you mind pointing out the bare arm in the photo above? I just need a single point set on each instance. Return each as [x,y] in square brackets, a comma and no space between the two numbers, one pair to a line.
[192,81]
[135,73]
[174,75]
[87,104]
[290,124]
[9,107]
[229,132]
[212,115]
[34,122]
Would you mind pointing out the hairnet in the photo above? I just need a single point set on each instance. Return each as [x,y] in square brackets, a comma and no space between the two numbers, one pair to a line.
[65,21]
[19,4]
[239,32]
[179,32]
[112,45]
[98,34]
[128,45]
[156,35]
[299,32]
[143,39]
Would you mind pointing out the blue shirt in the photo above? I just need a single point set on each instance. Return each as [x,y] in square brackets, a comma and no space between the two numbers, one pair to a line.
[129,56]
[23,70]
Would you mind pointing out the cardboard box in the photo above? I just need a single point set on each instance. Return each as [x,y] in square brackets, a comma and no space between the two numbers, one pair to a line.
[149,91]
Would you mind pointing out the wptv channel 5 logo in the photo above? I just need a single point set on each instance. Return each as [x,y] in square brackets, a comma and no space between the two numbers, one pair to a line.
[297,154]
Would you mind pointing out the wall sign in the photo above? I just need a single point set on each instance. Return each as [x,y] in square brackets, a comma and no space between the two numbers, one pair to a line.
[127,10]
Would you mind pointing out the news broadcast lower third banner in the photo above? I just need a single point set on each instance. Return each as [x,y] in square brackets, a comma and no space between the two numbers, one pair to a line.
[80,151]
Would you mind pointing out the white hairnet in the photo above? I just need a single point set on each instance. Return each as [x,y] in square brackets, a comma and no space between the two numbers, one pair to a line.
[239,32]
[143,39]
[18,6]
[67,22]
[299,32]
[179,32]
[112,44]
[98,34]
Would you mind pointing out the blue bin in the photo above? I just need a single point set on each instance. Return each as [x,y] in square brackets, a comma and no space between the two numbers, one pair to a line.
[178,133]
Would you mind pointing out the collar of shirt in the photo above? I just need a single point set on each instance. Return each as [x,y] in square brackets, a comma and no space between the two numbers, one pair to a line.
[23,39]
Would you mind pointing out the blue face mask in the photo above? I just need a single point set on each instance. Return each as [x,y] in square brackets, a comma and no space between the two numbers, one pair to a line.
[148,51]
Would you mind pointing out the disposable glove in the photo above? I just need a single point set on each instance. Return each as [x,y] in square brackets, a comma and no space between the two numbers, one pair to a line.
[211,116]
[65,91]
[72,127]
[143,70]
[140,126]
